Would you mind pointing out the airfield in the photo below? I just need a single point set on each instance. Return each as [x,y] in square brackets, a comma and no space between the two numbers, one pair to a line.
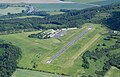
[42,50]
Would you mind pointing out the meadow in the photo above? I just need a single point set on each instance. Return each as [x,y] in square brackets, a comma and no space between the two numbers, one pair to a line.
[98,65]
[58,6]
[105,2]
[41,50]
[30,73]
[11,10]
[84,1]
[31,16]
[113,72]
[80,4]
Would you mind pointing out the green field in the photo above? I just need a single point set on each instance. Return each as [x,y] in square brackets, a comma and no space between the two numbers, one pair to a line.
[55,13]
[32,16]
[58,6]
[30,73]
[113,72]
[98,65]
[11,10]
[37,51]
[84,1]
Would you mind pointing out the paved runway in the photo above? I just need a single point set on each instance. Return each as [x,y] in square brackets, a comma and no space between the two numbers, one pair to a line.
[70,44]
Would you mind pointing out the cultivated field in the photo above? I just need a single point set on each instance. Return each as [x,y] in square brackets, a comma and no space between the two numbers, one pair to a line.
[30,73]
[29,1]
[11,10]
[37,51]
[58,6]
[32,16]
[84,1]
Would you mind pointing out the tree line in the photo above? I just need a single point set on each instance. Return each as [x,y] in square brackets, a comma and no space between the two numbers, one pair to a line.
[73,18]
[9,55]
[98,53]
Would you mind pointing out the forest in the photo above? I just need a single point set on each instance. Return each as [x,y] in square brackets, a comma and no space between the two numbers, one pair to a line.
[9,56]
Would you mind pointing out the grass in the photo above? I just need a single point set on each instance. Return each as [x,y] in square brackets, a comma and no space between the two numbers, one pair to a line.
[38,51]
[32,16]
[58,6]
[113,72]
[98,65]
[11,10]
[30,73]
[83,1]
[55,13]
[49,25]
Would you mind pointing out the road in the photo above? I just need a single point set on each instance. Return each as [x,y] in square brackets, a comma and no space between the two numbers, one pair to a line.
[70,44]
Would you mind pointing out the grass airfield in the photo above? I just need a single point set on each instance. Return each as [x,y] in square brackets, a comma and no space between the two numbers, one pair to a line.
[38,51]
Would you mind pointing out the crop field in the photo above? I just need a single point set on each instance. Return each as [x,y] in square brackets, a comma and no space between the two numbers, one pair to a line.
[32,16]
[29,1]
[81,5]
[84,1]
[30,73]
[58,6]
[105,2]
[41,50]
[11,10]
[55,13]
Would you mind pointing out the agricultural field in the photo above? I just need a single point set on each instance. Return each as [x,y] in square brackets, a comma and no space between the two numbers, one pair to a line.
[30,73]
[11,10]
[105,2]
[55,13]
[29,1]
[84,1]
[32,16]
[41,50]
[58,6]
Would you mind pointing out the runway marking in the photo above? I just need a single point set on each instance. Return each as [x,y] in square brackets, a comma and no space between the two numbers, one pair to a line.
[69,45]
[80,51]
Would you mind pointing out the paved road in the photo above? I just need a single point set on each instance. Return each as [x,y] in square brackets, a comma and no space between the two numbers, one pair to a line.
[70,44]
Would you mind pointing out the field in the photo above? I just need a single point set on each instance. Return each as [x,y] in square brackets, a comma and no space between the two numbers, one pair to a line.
[42,50]
[29,73]
[82,5]
[98,65]
[105,2]
[32,16]
[113,72]
[55,13]
[84,1]
[11,10]
[29,1]
[58,6]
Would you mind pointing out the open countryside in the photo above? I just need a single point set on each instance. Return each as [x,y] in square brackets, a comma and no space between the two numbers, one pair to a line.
[59,38]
